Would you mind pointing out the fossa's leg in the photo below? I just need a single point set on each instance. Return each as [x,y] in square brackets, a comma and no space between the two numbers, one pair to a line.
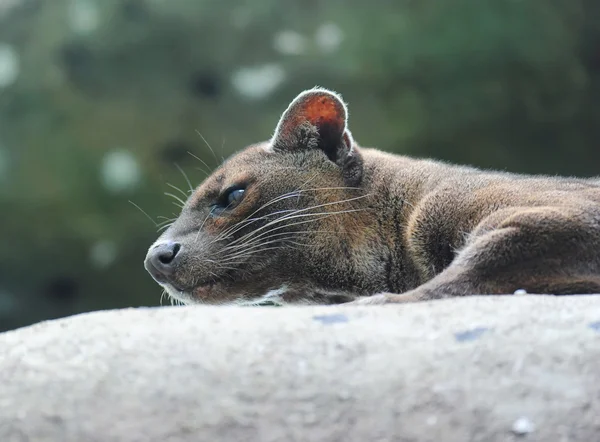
[545,250]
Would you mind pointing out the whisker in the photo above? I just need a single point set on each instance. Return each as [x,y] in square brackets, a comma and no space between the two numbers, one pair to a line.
[252,251]
[312,178]
[321,216]
[209,146]
[237,226]
[285,217]
[207,172]
[187,180]
[245,223]
[221,267]
[222,149]
[144,212]
[176,198]
[296,232]
[292,194]
[255,251]
[166,221]
[252,241]
[277,220]
[166,218]
[185,195]
[166,226]
[269,234]
[202,225]
[218,265]
[250,246]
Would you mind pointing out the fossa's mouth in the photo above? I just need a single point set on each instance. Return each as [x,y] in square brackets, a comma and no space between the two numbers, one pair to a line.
[203,291]
[198,293]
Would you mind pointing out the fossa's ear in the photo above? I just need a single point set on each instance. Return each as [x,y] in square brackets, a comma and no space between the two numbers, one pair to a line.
[317,119]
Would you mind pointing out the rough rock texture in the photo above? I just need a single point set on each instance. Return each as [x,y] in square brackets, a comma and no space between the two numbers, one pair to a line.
[477,369]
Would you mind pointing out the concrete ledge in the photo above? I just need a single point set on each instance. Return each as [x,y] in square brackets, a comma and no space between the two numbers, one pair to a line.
[475,369]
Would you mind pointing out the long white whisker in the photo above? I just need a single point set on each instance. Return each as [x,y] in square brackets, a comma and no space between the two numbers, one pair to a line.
[144,212]
[166,226]
[167,218]
[285,217]
[165,222]
[202,225]
[249,220]
[185,195]
[211,149]
[252,241]
[249,249]
[317,217]
[207,172]
[187,180]
[222,147]
[246,222]
[255,244]
[175,197]
[277,221]
[237,226]
[255,251]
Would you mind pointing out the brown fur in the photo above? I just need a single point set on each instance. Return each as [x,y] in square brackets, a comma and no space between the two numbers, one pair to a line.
[367,222]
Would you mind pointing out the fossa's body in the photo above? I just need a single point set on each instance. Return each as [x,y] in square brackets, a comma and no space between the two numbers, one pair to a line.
[311,217]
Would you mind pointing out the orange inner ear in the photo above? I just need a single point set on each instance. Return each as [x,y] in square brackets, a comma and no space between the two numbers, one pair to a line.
[324,109]
[320,110]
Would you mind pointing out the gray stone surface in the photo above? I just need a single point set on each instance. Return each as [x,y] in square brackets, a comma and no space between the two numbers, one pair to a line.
[478,369]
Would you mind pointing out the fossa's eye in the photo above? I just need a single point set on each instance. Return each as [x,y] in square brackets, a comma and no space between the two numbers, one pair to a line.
[234,197]
[228,200]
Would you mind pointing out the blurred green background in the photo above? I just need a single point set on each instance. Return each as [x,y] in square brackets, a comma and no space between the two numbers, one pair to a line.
[101,101]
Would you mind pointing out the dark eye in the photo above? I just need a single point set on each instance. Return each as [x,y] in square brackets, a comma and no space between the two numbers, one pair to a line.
[228,200]
[234,197]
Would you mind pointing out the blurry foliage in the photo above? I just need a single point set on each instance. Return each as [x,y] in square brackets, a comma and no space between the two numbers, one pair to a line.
[509,84]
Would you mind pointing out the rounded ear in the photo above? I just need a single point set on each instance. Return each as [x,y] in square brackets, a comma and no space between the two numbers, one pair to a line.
[316,119]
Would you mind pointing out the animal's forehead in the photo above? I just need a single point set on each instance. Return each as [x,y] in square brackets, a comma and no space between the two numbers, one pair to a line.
[260,163]
[237,168]
[251,155]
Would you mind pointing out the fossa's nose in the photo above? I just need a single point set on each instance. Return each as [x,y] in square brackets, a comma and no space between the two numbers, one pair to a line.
[161,260]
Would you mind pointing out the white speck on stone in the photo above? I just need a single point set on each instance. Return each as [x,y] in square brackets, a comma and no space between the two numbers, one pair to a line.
[120,171]
[9,65]
[258,82]
[289,43]
[523,426]
[83,16]
[329,37]
[103,254]
[431,420]
[520,292]
[344,395]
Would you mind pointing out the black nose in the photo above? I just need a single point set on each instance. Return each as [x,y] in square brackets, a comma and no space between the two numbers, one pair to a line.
[161,259]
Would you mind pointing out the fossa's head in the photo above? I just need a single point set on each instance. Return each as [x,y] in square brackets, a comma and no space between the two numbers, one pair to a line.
[277,221]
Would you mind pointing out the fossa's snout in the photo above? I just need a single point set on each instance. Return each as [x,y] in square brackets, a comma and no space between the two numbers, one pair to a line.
[161,261]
